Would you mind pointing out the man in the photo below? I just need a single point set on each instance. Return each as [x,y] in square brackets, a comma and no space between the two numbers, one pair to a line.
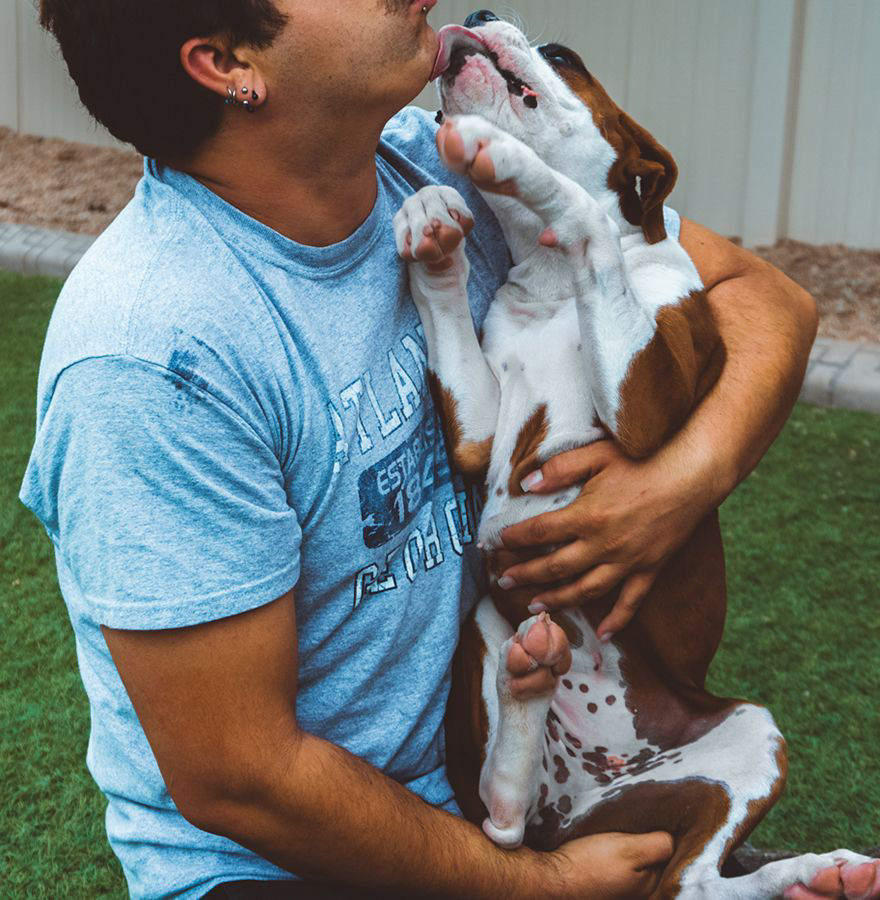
[264,555]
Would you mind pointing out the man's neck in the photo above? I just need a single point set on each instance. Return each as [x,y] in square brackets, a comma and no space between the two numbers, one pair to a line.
[314,189]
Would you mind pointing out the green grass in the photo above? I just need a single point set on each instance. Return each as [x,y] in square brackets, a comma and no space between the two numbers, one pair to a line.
[803,546]
[802,538]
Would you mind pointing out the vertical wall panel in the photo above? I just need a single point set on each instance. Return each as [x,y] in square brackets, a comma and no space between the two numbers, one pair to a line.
[835,187]
[8,65]
[768,131]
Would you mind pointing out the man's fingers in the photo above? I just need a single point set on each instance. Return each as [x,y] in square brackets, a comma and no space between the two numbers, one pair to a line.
[570,468]
[560,565]
[633,592]
[595,584]
[549,528]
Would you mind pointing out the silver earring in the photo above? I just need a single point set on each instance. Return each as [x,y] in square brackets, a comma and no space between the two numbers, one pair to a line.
[230,95]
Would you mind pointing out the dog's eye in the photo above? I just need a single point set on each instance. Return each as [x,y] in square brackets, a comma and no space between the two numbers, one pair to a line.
[557,53]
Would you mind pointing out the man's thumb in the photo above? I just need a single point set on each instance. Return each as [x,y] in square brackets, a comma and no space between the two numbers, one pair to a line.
[651,849]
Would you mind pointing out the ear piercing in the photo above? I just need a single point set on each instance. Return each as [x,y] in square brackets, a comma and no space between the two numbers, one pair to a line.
[247,100]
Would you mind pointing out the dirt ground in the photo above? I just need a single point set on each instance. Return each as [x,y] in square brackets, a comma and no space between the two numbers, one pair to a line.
[75,187]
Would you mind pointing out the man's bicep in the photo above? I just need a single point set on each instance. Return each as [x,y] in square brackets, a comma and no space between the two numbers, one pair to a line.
[746,292]
[716,258]
[168,509]
[216,701]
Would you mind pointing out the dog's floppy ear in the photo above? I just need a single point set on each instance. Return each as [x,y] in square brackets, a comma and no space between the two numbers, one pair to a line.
[642,157]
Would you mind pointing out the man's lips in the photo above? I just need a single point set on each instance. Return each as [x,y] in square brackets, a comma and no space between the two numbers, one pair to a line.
[452,37]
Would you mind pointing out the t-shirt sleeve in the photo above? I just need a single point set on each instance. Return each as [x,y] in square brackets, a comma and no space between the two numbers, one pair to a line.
[672,221]
[166,507]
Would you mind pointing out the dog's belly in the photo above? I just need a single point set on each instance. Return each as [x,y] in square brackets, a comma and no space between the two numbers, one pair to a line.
[543,370]
[603,768]
[608,764]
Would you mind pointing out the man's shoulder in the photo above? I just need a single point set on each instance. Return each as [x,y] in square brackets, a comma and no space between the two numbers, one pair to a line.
[157,277]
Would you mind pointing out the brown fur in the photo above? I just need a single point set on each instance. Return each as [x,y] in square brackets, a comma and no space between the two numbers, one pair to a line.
[669,376]
[471,458]
[639,155]
[525,454]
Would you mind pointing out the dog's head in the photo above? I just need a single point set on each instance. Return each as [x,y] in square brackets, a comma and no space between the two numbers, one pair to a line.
[546,97]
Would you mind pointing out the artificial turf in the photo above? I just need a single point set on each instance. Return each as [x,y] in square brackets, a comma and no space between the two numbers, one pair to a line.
[803,636]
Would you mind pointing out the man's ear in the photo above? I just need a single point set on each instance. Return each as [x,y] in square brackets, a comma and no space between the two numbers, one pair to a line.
[213,65]
[643,158]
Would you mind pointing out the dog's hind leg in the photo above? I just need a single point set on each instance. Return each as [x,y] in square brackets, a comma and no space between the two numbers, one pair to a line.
[510,774]
[841,874]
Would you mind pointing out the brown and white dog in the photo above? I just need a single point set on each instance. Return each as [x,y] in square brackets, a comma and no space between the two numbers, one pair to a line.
[602,329]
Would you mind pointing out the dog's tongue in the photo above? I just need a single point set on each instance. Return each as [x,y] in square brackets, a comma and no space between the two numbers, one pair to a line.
[450,37]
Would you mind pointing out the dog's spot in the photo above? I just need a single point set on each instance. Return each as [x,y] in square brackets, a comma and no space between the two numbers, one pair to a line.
[564,804]
[562,773]
[566,683]
[611,699]
[583,688]
[592,707]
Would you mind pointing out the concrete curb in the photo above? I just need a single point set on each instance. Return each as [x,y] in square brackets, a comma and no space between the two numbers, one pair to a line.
[841,374]
[38,251]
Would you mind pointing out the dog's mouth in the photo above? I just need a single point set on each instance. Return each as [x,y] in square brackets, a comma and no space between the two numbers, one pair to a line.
[458,45]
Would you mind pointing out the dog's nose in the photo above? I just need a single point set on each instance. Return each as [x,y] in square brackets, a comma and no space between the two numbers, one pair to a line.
[481,17]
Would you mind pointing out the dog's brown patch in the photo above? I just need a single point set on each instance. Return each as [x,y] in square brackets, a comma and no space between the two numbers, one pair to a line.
[669,376]
[469,457]
[525,459]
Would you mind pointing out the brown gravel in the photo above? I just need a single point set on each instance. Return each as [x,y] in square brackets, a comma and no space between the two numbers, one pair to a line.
[845,283]
[58,184]
[76,187]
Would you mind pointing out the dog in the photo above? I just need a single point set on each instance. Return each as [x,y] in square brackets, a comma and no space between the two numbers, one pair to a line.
[602,330]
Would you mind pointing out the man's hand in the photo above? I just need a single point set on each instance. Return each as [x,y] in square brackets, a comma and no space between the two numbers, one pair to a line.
[607,866]
[629,518]
[632,515]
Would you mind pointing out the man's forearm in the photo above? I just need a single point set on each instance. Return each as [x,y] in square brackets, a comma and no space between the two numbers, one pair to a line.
[327,815]
[768,324]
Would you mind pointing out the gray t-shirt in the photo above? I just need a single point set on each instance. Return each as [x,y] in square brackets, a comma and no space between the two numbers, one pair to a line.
[224,414]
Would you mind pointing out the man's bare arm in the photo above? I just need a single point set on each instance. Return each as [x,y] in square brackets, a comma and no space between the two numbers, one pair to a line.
[632,515]
[217,703]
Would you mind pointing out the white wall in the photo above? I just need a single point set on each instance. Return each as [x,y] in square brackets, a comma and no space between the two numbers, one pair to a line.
[835,185]
[771,107]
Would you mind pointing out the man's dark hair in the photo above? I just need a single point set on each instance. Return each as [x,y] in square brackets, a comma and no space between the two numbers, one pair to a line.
[124,56]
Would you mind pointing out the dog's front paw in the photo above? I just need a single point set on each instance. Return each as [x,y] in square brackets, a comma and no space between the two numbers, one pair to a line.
[430,226]
[469,145]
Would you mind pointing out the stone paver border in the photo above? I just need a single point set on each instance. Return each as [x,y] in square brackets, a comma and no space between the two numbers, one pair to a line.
[39,251]
[841,374]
